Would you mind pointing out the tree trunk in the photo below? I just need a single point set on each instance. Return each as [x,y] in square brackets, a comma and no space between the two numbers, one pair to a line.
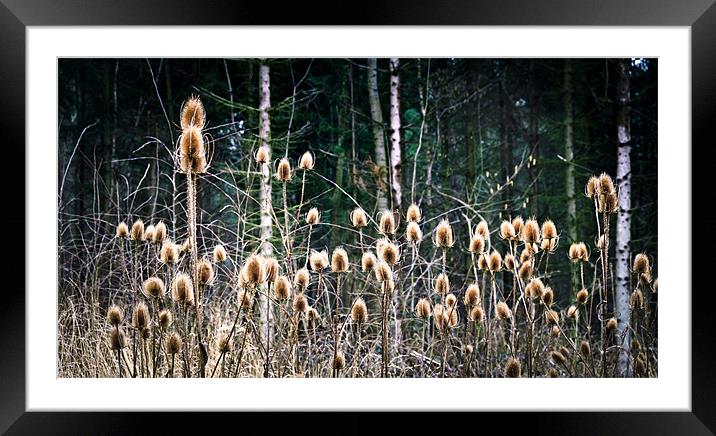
[265,187]
[623,218]
[395,155]
[569,152]
[378,135]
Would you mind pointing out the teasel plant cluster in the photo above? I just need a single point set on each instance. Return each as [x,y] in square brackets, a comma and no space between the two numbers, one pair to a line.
[394,299]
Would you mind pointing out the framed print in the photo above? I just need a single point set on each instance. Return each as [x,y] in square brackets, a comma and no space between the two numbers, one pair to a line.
[448,209]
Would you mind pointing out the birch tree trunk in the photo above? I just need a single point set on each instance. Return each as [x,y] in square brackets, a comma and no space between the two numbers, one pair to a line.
[623,219]
[569,152]
[265,187]
[395,155]
[378,135]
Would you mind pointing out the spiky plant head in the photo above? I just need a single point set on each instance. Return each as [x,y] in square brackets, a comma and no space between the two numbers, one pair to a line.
[612,324]
[165,319]
[387,224]
[507,230]
[223,343]
[530,233]
[513,368]
[422,309]
[117,340]
[641,264]
[554,332]
[302,278]
[122,230]
[339,362]
[582,296]
[283,170]
[477,314]
[549,230]
[525,270]
[502,310]
[154,287]
[414,214]
[358,217]
[389,287]
[184,247]
[387,251]
[307,161]
[552,373]
[572,312]
[263,155]
[440,318]
[450,300]
[245,299]
[605,185]
[468,349]
[160,232]
[472,295]
[183,289]
[549,245]
[318,260]
[191,144]
[300,304]
[585,349]
[510,262]
[494,264]
[219,254]
[193,113]
[312,316]
[413,233]
[253,271]
[282,288]
[552,317]
[205,272]
[115,315]
[339,260]
[169,253]
[442,284]
[140,316]
[270,267]
[591,188]
[148,233]
[137,232]
[313,217]
[636,300]
[548,296]
[558,357]
[483,230]
[482,262]
[518,223]
[383,272]
[477,244]
[359,311]
[174,343]
[443,235]
[535,288]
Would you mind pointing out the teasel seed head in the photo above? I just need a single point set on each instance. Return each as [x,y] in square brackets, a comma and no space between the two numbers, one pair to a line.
[358,217]
[518,223]
[442,284]
[117,340]
[300,304]
[191,146]
[254,272]
[482,230]
[302,278]
[513,368]
[165,319]
[263,155]
[140,316]
[390,287]
[472,295]
[468,349]
[600,242]
[192,113]
[510,262]
[591,188]
[386,223]
[526,270]
[223,344]
[552,316]
[535,288]
[115,315]
[422,309]
[160,233]
[169,253]
[318,260]
[549,230]
[312,316]
[388,251]
[443,235]
[154,287]
[307,161]
[558,357]
[184,247]
[312,216]
[554,332]
[572,312]
[495,262]
[148,233]
[641,264]
[414,214]
[585,349]
[174,343]
[182,289]
[507,230]
[271,268]
[582,296]
[122,230]
[476,314]
[552,373]
[605,185]
[450,300]
[482,262]
[339,260]
[219,254]
[549,245]
[502,311]
[359,311]
[339,362]
[244,299]
[383,272]
[548,296]
[205,272]
[530,232]
[636,300]
[137,232]
[284,171]
[368,261]
[413,233]
[282,288]
[612,324]
[477,244]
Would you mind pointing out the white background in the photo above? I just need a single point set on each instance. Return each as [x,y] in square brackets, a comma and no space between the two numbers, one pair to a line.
[670,391]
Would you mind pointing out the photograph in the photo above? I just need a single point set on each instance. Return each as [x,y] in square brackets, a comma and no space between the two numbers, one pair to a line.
[306,217]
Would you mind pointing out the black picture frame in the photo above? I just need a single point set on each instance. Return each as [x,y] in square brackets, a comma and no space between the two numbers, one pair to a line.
[16,15]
